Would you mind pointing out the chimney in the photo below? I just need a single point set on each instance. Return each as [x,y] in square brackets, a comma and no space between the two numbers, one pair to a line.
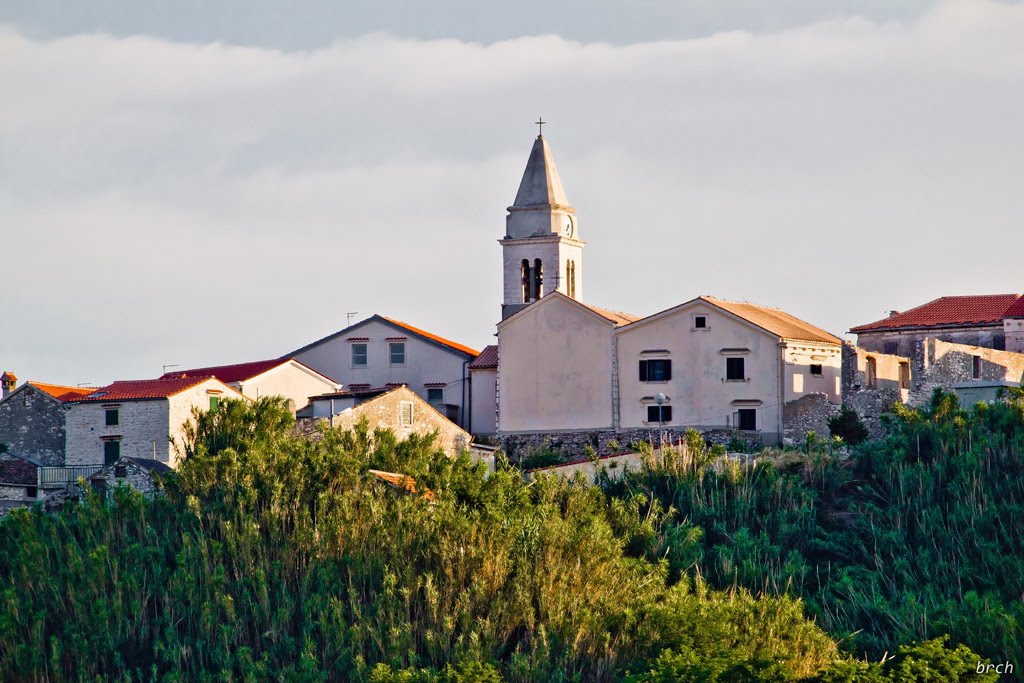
[892,313]
[7,383]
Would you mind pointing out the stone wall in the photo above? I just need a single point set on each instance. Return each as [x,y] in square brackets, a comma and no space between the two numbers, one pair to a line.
[872,399]
[991,336]
[940,364]
[574,444]
[809,413]
[385,412]
[32,425]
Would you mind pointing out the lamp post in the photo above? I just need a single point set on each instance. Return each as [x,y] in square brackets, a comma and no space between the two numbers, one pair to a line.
[659,400]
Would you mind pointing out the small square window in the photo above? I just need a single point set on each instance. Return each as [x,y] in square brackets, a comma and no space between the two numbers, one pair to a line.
[734,369]
[359,355]
[700,322]
[435,396]
[396,353]
[405,413]
[892,347]
[113,417]
[747,419]
[111,452]
[120,471]
[31,492]
[659,414]
[816,370]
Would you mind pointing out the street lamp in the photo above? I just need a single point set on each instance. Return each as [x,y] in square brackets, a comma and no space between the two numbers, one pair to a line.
[660,399]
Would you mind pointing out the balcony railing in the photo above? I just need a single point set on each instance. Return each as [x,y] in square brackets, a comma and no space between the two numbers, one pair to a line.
[51,476]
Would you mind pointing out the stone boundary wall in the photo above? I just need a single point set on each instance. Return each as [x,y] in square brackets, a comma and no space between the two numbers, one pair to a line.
[939,364]
[871,402]
[608,441]
[809,413]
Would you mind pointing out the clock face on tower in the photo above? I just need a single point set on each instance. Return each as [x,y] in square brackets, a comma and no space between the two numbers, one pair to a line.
[570,226]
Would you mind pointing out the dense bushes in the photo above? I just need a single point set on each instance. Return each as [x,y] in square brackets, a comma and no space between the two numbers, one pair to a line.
[271,556]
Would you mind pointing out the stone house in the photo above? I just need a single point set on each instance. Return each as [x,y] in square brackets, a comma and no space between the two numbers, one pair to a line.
[141,419]
[33,419]
[285,377]
[993,321]
[380,352]
[399,409]
[19,482]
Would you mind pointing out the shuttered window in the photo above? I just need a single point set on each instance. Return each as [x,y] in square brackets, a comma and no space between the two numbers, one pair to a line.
[656,370]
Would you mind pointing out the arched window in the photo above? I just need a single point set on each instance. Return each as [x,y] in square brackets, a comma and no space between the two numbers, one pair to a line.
[570,274]
[538,279]
[527,280]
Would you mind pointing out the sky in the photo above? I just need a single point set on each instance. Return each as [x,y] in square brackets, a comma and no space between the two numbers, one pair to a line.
[198,183]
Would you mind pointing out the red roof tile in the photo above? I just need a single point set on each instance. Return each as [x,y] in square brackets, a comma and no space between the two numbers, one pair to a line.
[440,340]
[239,372]
[62,393]
[132,390]
[615,316]
[17,471]
[488,358]
[776,321]
[9,376]
[952,311]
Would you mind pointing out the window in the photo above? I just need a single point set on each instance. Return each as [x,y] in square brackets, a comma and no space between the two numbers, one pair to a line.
[538,279]
[734,370]
[435,396]
[120,471]
[214,403]
[527,280]
[656,370]
[892,347]
[871,373]
[976,367]
[359,355]
[999,341]
[659,414]
[747,418]
[700,322]
[31,492]
[111,452]
[816,370]
[904,375]
[405,413]
[112,417]
[396,353]
[570,278]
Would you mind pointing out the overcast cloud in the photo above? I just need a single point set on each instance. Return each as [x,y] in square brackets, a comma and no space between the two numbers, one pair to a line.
[165,200]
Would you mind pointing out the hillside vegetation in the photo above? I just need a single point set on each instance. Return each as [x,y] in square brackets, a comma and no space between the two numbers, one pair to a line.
[273,556]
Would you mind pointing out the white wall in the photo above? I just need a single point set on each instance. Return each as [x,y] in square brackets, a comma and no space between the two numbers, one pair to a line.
[799,380]
[291,380]
[424,362]
[555,368]
[484,417]
[698,391]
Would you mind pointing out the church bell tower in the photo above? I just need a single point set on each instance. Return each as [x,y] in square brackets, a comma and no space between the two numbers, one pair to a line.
[542,251]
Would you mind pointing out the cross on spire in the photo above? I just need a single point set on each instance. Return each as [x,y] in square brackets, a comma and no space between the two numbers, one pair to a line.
[540,126]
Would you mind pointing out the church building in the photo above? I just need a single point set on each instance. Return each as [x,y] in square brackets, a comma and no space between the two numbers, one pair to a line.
[563,366]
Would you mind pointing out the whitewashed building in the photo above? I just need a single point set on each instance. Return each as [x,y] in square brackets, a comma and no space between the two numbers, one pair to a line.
[139,419]
[381,352]
[285,377]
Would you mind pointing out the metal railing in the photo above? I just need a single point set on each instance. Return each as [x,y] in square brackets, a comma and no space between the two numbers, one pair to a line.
[49,476]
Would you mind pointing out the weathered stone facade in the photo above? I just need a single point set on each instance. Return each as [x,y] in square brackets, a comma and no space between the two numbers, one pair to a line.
[952,367]
[32,425]
[402,411]
[809,413]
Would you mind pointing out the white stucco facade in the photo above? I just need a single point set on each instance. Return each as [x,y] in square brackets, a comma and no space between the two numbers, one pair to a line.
[484,407]
[426,364]
[291,379]
[555,368]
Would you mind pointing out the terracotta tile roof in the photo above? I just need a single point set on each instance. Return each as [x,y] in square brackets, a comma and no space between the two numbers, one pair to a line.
[952,311]
[402,482]
[133,390]
[9,376]
[615,316]
[239,372]
[776,321]
[62,393]
[488,358]
[434,337]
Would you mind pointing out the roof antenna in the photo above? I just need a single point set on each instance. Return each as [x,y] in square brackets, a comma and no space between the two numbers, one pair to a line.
[170,365]
[348,318]
[540,126]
